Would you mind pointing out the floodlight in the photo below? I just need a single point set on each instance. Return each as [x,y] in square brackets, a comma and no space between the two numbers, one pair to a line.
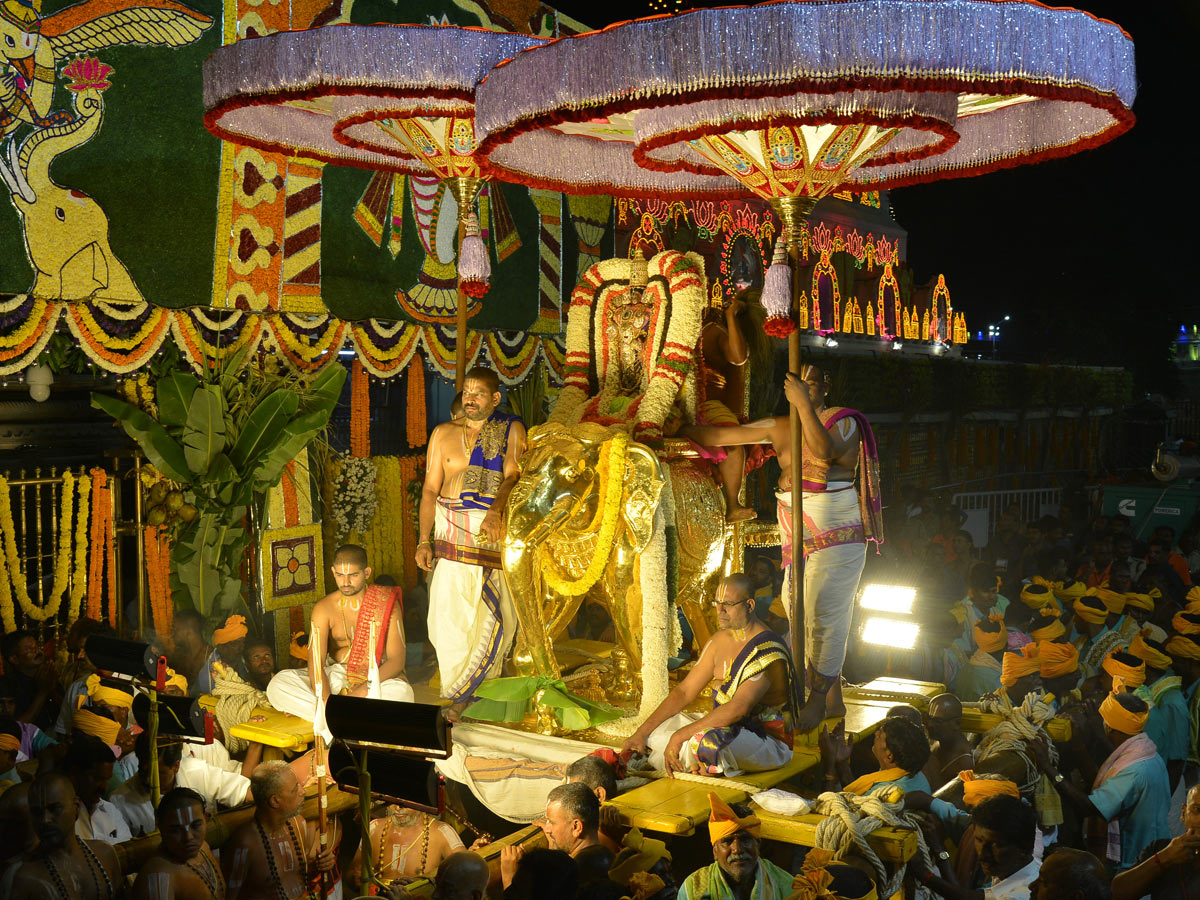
[394,778]
[417,729]
[180,716]
[131,658]
[889,598]
[893,633]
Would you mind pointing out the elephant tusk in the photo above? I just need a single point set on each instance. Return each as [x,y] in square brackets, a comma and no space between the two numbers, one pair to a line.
[14,177]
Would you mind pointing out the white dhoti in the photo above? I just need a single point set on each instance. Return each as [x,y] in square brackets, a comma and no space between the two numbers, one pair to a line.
[835,552]
[471,614]
[291,691]
[747,752]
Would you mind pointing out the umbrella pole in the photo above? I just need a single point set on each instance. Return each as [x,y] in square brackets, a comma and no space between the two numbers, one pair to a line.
[796,598]
[460,312]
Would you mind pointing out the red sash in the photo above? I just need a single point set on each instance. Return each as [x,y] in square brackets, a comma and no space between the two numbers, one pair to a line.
[376,607]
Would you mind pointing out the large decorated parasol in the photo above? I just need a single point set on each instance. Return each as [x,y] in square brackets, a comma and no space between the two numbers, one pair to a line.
[794,100]
[389,97]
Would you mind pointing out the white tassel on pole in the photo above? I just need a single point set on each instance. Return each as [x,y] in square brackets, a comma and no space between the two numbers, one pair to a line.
[777,292]
[474,267]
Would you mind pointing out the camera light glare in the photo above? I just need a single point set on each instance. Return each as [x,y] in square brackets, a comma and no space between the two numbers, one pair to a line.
[889,598]
[891,633]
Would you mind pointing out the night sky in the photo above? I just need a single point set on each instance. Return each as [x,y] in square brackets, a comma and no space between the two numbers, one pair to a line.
[1088,254]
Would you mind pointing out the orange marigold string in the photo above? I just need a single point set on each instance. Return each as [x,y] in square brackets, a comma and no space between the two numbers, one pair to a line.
[158,578]
[360,411]
[110,560]
[291,511]
[96,540]
[415,402]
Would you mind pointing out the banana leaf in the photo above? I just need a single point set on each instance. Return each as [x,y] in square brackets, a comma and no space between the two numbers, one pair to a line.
[173,395]
[204,433]
[263,426]
[160,448]
[511,699]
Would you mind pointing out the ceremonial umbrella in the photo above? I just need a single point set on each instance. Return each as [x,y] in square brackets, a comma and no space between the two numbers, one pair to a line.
[793,100]
[391,97]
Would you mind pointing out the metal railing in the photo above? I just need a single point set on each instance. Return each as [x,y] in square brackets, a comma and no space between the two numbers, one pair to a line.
[984,508]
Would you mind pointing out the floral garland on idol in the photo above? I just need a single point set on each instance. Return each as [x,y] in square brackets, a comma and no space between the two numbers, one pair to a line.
[13,579]
[354,500]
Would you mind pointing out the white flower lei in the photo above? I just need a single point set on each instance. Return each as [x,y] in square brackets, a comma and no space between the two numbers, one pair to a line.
[354,500]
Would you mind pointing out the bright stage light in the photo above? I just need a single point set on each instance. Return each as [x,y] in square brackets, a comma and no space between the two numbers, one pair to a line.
[889,598]
[891,633]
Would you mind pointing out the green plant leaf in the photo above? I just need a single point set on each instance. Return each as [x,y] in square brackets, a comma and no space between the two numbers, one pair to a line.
[204,434]
[327,386]
[160,448]
[173,395]
[295,436]
[263,426]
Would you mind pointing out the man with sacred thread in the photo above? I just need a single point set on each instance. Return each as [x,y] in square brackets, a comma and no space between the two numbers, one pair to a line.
[470,468]
[183,867]
[64,866]
[754,704]
[275,855]
[354,623]
[836,445]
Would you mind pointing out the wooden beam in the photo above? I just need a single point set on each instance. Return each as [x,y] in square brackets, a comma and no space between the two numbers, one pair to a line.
[893,845]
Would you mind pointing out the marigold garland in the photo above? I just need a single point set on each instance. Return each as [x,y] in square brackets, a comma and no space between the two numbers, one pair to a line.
[614,488]
[104,554]
[417,433]
[80,575]
[360,412]
[13,580]
[158,582]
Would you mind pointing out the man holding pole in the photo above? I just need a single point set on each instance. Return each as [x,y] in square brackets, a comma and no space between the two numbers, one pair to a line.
[837,521]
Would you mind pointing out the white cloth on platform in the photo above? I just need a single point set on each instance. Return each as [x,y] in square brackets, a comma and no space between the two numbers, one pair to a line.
[471,614]
[290,691]
[747,752]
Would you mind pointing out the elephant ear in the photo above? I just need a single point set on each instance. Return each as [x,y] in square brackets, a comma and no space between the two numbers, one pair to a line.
[643,488]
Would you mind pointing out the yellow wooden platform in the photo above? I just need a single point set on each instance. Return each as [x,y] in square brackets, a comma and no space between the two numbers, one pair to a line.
[975,721]
[893,845]
[279,730]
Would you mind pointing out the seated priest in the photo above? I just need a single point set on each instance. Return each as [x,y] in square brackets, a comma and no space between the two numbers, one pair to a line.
[736,870]
[754,702]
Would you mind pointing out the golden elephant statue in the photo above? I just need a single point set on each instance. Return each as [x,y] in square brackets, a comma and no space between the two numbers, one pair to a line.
[573,530]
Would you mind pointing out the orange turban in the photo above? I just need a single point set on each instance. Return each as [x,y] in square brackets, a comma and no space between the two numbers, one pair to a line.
[9,741]
[1139,601]
[1131,676]
[1183,646]
[977,789]
[298,650]
[1193,595]
[234,628]
[1052,629]
[1186,623]
[89,723]
[1113,602]
[1035,596]
[1092,610]
[1118,718]
[1057,659]
[1017,665]
[723,821]
[109,696]
[813,881]
[1071,591]
[1149,655]
[991,641]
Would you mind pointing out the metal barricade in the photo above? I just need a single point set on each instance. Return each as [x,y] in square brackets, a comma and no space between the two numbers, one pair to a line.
[983,508]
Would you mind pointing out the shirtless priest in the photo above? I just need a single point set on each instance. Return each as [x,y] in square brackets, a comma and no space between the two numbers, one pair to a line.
[184,867]
[754,699]
[470,468]
[342,626]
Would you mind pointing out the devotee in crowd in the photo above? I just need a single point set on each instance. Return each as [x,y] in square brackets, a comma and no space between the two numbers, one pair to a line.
[572,820]
[191,652]
[754,703]
[1003,841]
[456,408]
[1094,570]
[134,798]
[1160,570]
[981,673]
[1164,536]
[462,875]
[88,762]
[1020,673]
[1167,869]
[106,716]
[1071,874]
[17,837]
[642,854]
[33,681]
[406,842]
[276,855]
[73,676]
[62,857]
[183,867]
[1130,789]
[470,468]
[343,626]
[541,872]
[837,442]
[737,870]
[950,750]
[1167,725]
[229,642]
[260,664]
[900,748]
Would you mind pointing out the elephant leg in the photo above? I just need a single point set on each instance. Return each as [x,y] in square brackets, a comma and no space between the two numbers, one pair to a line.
[532,650]
[625,603]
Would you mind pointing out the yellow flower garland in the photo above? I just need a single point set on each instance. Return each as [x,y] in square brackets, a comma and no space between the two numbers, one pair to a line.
[614,490]
[79,578]
[62,558]
[13,580]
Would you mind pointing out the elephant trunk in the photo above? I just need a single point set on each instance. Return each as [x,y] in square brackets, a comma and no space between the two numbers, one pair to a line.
[43,145]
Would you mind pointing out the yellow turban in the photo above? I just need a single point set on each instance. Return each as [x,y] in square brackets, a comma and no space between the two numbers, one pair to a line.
[1186,623]
[638,854]
[298,650]
[1139,601]
[1113,602]
[1017,665]
[1035,596]
[1048,632]
[1149,655]
[1118,718]
[976,789]
[1193,595]
[1183,646]
[1131,676]
[1071,591]
[89,723]
[1092,610]
[9,741]
[723,821]
[234,628]
[1046,582]
[98,693]
[1057,659]
[991,641]
[176,680]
